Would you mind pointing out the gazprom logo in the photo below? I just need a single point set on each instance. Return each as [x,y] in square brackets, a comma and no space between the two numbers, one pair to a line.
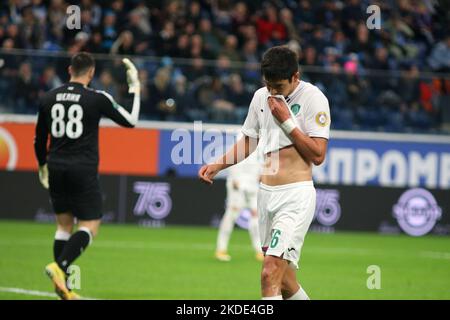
[8,151]
[417,212]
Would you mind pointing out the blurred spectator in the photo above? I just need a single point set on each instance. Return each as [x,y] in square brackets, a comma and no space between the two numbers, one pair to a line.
[106,83]
[109,30]
[124,44]
[230,48]
[336,51]
[49,80]
[210,36]
[182,49]
[213,97]
[286,18]
[237,92]
[270,30]
[162,96]
[26,90]
[94,9]
[30,29]
[439,59]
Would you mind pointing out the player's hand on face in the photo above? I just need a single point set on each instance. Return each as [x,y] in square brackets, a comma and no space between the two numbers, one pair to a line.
[208,172]
[279,109]
[43,175]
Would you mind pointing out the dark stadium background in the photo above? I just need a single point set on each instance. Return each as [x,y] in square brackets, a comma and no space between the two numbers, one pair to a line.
[388,88]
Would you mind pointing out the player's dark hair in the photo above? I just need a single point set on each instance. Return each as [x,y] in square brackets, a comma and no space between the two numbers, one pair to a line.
[279,63]
[81,63]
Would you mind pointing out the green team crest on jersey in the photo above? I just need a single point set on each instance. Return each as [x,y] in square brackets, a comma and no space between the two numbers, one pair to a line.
[295,109]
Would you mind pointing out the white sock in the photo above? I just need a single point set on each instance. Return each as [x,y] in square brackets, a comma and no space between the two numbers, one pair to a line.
[280,297]
[299,295]
[85,229]
[62,235]
[253,229]
[225,230]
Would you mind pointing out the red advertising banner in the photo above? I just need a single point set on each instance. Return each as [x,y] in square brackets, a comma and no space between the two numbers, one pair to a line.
[122,151]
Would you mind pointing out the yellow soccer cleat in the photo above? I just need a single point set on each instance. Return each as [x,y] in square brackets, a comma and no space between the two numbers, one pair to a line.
[58,278]
[73,296]
[259,256]
[222,256]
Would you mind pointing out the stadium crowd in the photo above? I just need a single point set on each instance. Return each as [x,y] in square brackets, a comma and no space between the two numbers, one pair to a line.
[205,55]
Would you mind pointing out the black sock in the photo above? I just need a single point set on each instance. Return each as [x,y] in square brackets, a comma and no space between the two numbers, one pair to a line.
[58,247]
[73,249]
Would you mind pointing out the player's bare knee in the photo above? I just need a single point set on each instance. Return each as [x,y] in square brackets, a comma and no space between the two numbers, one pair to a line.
[94,232]
[92,225]
[267,278]
[271,271]
[64,228]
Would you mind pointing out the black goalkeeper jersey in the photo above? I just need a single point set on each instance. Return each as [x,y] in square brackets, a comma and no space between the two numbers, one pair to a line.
[70,115]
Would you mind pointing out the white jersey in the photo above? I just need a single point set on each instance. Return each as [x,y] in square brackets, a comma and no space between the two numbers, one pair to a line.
[308,107]
[246,173]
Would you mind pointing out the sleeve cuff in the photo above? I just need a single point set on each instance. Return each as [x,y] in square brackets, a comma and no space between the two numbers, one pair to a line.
[250,134]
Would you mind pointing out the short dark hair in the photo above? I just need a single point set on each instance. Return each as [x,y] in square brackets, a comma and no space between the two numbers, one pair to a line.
[279,63]
[81,63]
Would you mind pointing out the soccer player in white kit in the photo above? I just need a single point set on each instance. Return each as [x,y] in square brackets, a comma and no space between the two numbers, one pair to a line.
[242,188]
[290,120]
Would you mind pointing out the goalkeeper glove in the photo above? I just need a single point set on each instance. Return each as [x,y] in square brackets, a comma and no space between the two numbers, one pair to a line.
[43,175]
[134,85]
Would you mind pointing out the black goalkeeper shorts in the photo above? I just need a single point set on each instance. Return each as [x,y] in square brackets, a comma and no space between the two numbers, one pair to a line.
[75,189]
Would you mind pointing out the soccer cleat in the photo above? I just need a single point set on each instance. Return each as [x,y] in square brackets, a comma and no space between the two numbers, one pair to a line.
[73,296]
[259,256]
[222,256]
[58,278]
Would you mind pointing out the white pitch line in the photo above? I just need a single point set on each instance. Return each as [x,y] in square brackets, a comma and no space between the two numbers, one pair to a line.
[28,292]
[436,255]
[35,293]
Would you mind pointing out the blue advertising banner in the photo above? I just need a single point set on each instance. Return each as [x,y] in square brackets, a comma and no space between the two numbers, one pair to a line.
[386,164]
[377,160]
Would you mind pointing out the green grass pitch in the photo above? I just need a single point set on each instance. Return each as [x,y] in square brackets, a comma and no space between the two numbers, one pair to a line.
[129,262]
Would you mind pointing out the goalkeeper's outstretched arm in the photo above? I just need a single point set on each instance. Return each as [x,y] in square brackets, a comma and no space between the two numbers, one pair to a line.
[115,111]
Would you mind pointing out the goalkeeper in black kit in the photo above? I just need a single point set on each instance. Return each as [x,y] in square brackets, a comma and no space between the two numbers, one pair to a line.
[68,166]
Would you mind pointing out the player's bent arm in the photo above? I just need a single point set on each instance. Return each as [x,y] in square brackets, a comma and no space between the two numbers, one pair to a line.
[133,116]
[40,149]
[134,86]
[117,113]
[238,152]
[312,149]
[40,140]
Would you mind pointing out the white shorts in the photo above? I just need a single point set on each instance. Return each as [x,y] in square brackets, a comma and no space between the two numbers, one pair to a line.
[285,213]
[241,199]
